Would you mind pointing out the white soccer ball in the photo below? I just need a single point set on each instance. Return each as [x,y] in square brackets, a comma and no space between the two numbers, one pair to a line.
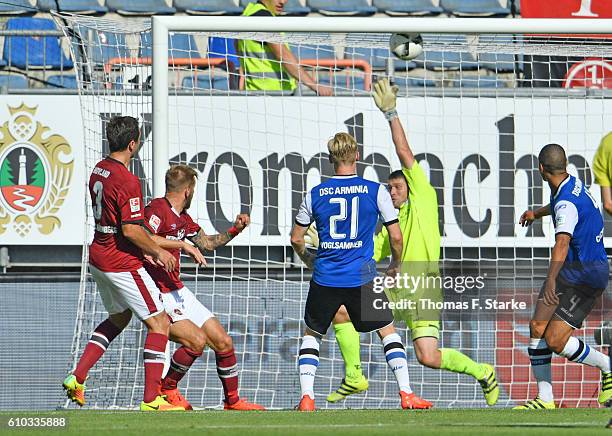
[406,46]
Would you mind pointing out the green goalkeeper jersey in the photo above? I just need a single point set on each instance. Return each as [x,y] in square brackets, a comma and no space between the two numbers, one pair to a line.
[418,219]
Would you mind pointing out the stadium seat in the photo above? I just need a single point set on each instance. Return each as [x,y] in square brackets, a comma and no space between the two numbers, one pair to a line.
[16,7]
[140,7]
[223,48]
[499,62]
[105,46]
[481,82]
[415,82]
[407,7]
[474,8]
[314,52]
[13,81]
[208,7]
[87,7]
[68,81]
[434,60]
[377,58]
[219,81]
[27,52]
[293,7]
[342,81]
[180,45]
[342,7]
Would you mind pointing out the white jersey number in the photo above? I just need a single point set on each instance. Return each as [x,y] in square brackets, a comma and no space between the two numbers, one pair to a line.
[98,190]
[342,216]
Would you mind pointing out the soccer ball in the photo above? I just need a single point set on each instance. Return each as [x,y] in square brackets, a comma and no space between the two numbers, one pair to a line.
[406,46]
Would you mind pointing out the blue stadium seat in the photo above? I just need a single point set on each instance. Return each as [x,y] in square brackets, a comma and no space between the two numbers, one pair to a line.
[180,45]
[377,58]
[407,7]
[34,52]
[208,7]
[13,81]
[481,82]
[445,60]
[293,7]
[87,7]
[105,46]
[140,7]
[217,81]
[342,7]
[314,52]
[499,62]
[474,8]
[415,82]
[16,7]
[223,48]
[68,81]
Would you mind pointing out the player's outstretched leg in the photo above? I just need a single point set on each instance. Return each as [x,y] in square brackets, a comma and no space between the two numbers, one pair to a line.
[154,355]
[395,355]
[308,363]
[100,339]
[227,366]
[348,340]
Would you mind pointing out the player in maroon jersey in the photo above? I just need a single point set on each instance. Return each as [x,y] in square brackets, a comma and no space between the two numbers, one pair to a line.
[116,264]
[193,325]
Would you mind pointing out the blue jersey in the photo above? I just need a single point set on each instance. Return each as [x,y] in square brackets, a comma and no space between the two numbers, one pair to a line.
[346,210]
[575,212]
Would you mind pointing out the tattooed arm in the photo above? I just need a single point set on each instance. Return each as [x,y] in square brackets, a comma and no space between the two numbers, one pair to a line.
[211,242]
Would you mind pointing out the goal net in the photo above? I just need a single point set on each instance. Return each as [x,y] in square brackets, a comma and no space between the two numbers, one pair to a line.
[477,109]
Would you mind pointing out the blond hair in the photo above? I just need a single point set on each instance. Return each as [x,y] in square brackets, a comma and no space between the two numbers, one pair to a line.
[180,176]
[342,149]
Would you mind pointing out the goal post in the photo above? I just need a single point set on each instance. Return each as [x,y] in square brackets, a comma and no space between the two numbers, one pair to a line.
[474,118]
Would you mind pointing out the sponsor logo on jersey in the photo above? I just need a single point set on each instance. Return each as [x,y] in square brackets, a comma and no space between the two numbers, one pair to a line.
[36,167]
[154,222]
[134,204]
[560,220]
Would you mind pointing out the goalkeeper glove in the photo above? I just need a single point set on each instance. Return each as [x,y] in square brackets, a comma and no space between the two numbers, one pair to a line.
[312,236]
[385,97]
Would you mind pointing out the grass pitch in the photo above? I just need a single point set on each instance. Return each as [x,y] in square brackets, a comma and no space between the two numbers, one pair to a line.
[340,422]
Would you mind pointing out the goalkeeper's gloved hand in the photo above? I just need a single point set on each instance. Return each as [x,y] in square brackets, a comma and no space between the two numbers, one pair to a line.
[385,97]
[312,236]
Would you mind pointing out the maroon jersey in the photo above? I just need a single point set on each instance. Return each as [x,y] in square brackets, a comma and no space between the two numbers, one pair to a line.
[163,220]
[116,199]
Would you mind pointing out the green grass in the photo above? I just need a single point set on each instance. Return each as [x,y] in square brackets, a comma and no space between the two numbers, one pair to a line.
[338,422]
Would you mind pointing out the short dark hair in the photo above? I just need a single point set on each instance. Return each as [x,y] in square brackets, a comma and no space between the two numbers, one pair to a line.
[552,158]
[398,174]
[180,176]
[120,131]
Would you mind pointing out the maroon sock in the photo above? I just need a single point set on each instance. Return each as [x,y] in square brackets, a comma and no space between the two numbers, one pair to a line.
[182,359]
[154,357]
[100,339]
[227,369]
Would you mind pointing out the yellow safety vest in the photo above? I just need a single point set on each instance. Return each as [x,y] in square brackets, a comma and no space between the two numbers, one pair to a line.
[261,69]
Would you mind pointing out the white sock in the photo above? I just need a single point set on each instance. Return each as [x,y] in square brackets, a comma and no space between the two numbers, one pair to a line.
[308,362]
[579,352]
[540,357]
[396,359]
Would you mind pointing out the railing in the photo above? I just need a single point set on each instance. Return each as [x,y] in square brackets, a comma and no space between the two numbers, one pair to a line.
[212,63]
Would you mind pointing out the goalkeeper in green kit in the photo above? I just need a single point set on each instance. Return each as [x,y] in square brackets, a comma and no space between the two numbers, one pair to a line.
[417,202]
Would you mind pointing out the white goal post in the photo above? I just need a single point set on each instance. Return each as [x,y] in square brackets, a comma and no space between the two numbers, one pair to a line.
[162,25]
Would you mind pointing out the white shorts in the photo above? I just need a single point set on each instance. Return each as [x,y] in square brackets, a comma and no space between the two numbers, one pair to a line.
[134,290]
[182,304]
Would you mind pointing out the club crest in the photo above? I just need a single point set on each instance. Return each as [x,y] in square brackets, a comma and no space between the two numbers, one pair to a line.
[36,167]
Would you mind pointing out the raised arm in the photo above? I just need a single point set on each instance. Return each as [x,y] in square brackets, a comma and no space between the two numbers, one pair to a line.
[211,242]
[530,216]
[385,97]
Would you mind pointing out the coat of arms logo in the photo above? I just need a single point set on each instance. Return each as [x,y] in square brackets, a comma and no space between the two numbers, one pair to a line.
[36,167]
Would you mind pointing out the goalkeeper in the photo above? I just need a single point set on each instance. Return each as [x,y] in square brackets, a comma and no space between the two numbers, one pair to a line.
[417,202]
